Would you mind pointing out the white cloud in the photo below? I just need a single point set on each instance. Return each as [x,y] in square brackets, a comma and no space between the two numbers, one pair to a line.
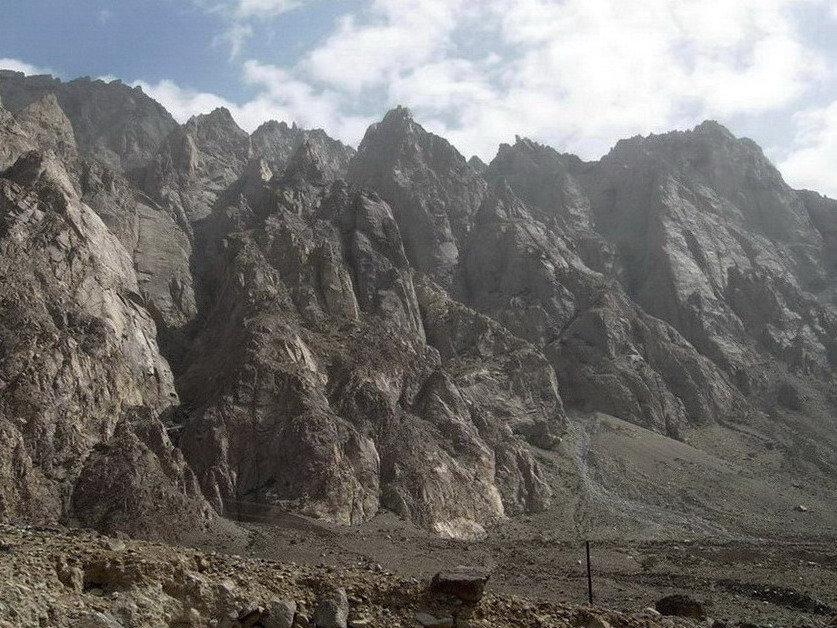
[182,103]
[811,163]
[240,15]
[249,8]
[295,100]
[235,37]
[397,38]
[279,97]
[21,66]
[601,73]
[577,74]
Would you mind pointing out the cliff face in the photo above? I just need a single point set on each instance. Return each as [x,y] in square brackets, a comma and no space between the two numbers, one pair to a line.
[115,124]
[434,191]
[81,366]
[340,333]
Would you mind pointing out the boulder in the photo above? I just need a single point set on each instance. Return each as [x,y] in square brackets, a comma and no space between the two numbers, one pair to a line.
[332,610]
[466,583]
[280,614]
[429,621]
[250,616]
[93,619]
[680,606]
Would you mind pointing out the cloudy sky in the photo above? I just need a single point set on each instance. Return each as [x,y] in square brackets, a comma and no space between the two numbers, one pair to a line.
[575,74]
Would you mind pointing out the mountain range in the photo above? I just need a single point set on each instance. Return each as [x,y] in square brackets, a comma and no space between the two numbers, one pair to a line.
[197,322]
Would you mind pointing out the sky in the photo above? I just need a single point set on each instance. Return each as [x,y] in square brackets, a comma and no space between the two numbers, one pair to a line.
[575,74]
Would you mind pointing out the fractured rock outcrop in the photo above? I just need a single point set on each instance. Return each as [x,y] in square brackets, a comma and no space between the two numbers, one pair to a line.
[337,333]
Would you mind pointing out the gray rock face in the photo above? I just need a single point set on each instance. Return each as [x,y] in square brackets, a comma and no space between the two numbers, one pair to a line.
[277,142]
[428,183]
[139,466]
[400,340]
[522,268]
[335,403]
[79,353]
[700,217]
[430,621]
[280,614]
[466,583]
[699,230]
[196,164]
[46,125]
[332,610]
[117,125]
[15,139]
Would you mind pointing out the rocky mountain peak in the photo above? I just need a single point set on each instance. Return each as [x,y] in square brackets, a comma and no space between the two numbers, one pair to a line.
[113,123]
[477,164]
[46,123]
[218,117]
[276,142]
[706,139]
[19,90]
[435,217]
[218,126]
[305,165]
[398,115]
[715,129]
[544,179]
[747,188]
[398,136]
[417,338]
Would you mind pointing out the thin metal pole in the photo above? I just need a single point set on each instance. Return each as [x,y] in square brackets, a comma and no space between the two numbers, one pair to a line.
[589,576]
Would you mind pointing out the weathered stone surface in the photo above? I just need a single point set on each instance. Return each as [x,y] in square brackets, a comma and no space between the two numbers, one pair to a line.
[431,621]
[332,610]
[317,293]
[16,141]
[280,614]
[79,354]
[402,340]
[276,142]
[46,124]
[197,163]
[714,242]
[522,268]
[117,125]
[137,467]
[466,583]
[432,190]
[97,620]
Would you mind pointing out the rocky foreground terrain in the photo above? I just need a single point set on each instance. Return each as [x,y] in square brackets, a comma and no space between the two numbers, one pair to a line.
[200,325]
[80,579]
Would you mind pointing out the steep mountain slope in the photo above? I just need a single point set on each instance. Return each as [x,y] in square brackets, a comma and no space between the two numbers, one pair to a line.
[115,124]
[433,190]
[80,366]
[276,143]
[417,337]
[311,381]
[701,232]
